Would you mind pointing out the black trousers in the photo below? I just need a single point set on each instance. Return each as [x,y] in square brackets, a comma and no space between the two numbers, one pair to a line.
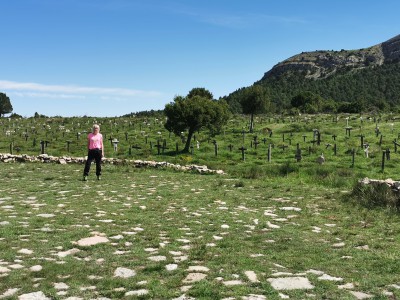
[94,154]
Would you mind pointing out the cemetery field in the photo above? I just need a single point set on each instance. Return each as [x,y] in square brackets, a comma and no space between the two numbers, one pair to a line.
[287,232]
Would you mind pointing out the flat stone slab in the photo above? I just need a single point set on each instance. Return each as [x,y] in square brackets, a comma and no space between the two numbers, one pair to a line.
[124,273]
[360,295]
[194,277]
[68,252]
[140,292]
[91,241]
[290,283]
[34,296]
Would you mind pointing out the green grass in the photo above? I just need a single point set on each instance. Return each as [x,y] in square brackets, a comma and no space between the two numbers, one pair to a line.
[219,222]
[182,209]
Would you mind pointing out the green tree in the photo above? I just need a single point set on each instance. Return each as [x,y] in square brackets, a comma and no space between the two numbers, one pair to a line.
[5,105]
[308,102]
[253,102]
[196,111]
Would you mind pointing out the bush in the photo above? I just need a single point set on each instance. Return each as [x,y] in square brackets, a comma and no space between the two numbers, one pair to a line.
[375,195]
[287,168]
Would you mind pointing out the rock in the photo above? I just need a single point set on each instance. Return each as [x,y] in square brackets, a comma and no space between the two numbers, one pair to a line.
[36,268]
[124,273]
[25,251]
[290,283]
[251,275]
[141,292]
[360,295]
[34,296]
[91,241]
[232,282]
[321,159]
[194,277]
[171,267]
[45,158]
[68,252]
[198,269]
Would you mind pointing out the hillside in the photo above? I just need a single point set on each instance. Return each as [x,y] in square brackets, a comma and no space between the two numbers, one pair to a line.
[370,75]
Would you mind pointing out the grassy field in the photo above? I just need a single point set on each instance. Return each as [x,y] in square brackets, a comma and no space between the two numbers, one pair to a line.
[172,235]
[237,234]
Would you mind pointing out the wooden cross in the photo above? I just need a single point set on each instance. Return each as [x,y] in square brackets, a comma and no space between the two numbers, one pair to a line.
[243,149]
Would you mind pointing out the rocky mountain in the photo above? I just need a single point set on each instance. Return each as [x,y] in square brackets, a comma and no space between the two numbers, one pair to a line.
[322,64]
[368,77]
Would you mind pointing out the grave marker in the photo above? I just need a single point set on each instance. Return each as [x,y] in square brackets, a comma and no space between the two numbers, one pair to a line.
[243,149]
[215,147]
[115,144]
[298,156]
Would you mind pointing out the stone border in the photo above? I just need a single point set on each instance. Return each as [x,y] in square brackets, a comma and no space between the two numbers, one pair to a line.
[44,158]
[392,184]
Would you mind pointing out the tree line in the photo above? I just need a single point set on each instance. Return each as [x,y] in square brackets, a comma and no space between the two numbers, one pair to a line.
[353,91]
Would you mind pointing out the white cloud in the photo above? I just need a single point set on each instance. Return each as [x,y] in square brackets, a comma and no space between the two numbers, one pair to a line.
[47,95]
[70,91]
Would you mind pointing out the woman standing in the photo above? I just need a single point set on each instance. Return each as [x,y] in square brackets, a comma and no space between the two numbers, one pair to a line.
[95,152]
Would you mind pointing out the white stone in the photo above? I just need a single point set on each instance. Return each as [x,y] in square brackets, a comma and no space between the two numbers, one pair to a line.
[252,276]
[36,268]
[171,267]
[4,270]
[68,252]
[124,273]
[360,295]
[273,226]
[16,266]
[183,297]
[34,296]
[290,208]
[233,282]
[198,269]
[141,292]
[9,293]
[25,251]
[315,272]
[347,286]
[61,286]
[290,283]
[46,215]
[277,274]
[365,247]
[91,241]
[180,258]
[254,297]
[157,258]
[194,277]
[151,249]
[329,278]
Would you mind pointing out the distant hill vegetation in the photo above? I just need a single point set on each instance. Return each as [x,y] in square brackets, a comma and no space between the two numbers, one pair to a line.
[332,81]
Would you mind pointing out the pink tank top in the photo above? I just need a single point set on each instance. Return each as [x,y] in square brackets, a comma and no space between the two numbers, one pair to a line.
[95,141]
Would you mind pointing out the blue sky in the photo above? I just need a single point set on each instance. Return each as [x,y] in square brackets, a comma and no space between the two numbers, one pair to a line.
[114,57]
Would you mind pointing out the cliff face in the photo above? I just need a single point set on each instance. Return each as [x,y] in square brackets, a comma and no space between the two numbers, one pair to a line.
[391,49]
[322,64]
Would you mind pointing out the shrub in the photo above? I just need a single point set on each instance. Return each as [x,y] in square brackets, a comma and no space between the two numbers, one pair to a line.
[375,195]
[287,168]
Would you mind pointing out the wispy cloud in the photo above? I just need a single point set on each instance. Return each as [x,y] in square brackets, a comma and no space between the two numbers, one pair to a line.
[29,89]
[238,20]
[248,20]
